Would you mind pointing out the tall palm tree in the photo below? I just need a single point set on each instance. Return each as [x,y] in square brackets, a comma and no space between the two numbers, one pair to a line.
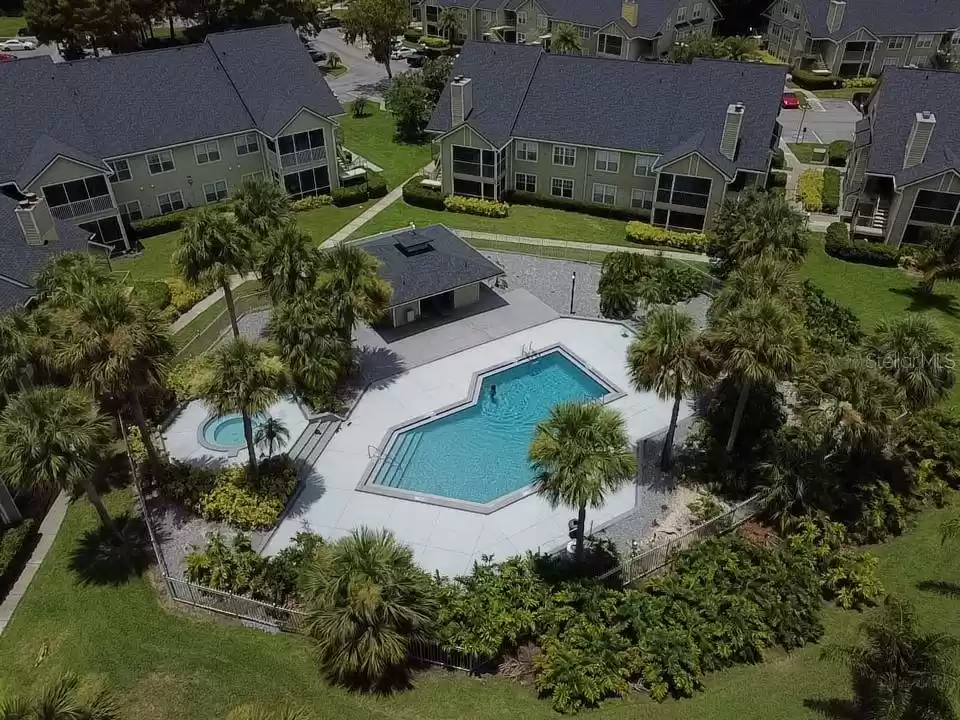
[15,351]
[246,378]
[214,246]
[61,699]
[354,290]
[941,261]
[119,349]
[53,438]
[759,222]
[900,673]
[366,603]
[290,262]
[271,434]
[68,275]
[668,358]
[758,342]
[580,454]
[758,276]
[917,355]
[260,207]
[566,40]
[448,24]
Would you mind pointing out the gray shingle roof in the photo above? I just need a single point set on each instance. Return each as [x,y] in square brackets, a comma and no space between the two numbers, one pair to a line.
[449,263]
[885,17]
[626,105]
[903,92]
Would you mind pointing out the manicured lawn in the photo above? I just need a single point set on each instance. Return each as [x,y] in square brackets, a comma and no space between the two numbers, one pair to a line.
[804,151]
[372,136]
[334,72]
[200,335]
[10,24]
[839,93]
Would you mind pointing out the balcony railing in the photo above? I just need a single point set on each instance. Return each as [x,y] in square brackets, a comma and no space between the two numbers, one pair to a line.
[80,208]
[303,157]
[682,198]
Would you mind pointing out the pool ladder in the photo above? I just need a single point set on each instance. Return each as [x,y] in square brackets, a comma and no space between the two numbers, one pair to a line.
[527,351]
[373,452]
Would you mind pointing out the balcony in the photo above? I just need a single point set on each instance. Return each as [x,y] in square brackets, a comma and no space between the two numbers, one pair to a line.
[871,220]
[300,158]
[82,208]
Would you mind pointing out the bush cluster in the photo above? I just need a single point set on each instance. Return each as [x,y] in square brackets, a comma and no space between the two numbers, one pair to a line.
[860,82]
[15,544]
[809,80]
[434,43]
[838,244]
[374,187]
[415,194]
[831,190]
[646,234]
[476,206]
[160,224]
[810,190]
[837,152]
[518,197]
[188,379]
[154,294]
[776,180]
[184,296]
[628,278]
[412,35]
[832,326]
[311,202]
[779,161]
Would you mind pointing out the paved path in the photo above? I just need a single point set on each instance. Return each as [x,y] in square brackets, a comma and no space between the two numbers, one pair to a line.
[191,314]
[48,532]
[549,242]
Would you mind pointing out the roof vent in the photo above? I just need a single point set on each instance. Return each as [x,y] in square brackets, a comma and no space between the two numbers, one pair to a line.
[410,243]
[835,14]
[920,135]
[731,130]
[461,99]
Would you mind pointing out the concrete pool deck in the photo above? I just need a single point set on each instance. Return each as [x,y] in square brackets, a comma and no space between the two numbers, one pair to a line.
[446,539]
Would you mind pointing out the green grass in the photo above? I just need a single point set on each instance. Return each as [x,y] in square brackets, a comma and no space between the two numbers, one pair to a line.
[201,336]
[372,136]
[840,93]
[334,72]
[165,665]
[10,24]
[804,151]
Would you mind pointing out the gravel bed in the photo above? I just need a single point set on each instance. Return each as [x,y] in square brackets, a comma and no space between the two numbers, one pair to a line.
[550,281]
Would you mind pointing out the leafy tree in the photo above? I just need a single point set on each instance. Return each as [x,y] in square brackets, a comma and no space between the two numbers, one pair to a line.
[900,673]
[261,207]
[376,22]
[65,276]
[213,248]
[366,603]
[290,263]
[449,24]
[941,261]
[566,40]
[409,101]
[59,21]
[580,454]
[688,50]
[245,378]
[62,699]
[739,48]
[271,434]
[917,355]
[359,107]
[668,358]
[53,438]
[353,289]
[435,74]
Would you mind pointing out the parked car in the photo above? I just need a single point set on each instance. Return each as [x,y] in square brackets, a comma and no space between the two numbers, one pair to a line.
[7,57]
[330,21]
[317,55]
[416,60]
[18,44]
[402,53]
[790,101]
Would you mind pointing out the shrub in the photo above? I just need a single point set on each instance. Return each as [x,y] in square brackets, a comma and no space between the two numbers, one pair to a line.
[777,180]
[837,152]
[779,160]
[518,197]
[837,232]
[434,43]
[839,245]
[704,508]
[350,195]
[931,436]
[16,542]
[184,296]
[831,190]
[814,81]
[810,190]
[311,202]
[359,108]
[415,194]
[670,283]
[376,185]
[189,378]
[159,224]
[412,35]
[831,325]
[476,206]
[860,82]
[646,234]
[153,294]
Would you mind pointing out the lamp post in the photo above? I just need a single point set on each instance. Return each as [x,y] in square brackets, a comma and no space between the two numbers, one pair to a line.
[573,289]
[801,129]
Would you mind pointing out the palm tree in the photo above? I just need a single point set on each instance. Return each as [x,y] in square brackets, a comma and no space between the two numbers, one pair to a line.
[260,207]
[759,276]
[581,453]
[118,349]
[15,351]
[247,379]
[917,355]
[758,342]
[366,603]
[669,359]
[52,437]
[941,261]
[354,290]
[759,222]
[68,275]
[448,24]
[566,40]
[214,246]
[290,263]
[61,700]
[271,434]
[899,673]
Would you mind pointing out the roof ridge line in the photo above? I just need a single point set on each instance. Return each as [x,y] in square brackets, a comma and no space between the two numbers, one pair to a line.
[526,90]
[216,55]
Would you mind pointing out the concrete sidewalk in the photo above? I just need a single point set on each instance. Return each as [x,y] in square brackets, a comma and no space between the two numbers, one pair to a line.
[214,297]
[601,247]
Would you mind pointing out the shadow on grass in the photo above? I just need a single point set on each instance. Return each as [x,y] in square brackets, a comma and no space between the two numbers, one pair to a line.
[921,301]
[834,708]
[100,558]
[940,587]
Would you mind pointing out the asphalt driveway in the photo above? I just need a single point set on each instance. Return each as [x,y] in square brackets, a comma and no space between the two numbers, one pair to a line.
[832,120]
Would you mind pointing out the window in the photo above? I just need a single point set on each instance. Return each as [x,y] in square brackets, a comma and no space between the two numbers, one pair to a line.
[796,11]
[543,22]
[895,43]
[935,207]
[891,62]
[300,142]
[170,202]
[207,152]
[468,188]
[697,11]
[683,190]
[78,191]
[258,175]
[585,32]
[682,14]
[247,144]
[923,42]
[215,191]
[525,182]
[955,39]
[526,151]
[106,229]
[561,187]
[564,155]
[604,194]
[607,161]
[917,60]
[131,211]
[485,17]
[641,199]
[785,8]
[160,162]
[522,17]
[315,181]
[609,44]
[473,162]
[521,38]
[121,170]
[643,165]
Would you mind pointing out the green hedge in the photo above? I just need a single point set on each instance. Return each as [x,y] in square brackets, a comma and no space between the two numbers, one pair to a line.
[311,202]
[810,190]
[160,224]
[814,81]
[415,194]
[779,160]
[434,43]
[839,245]
[777,180]
[374,187]
[16,542]
[831,190]
[155,294]
[860,82]
[838,151]
[412,35]
[646,234]
[518,197]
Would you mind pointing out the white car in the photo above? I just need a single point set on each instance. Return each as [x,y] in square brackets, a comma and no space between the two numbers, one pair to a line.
[17,44]
[402,53]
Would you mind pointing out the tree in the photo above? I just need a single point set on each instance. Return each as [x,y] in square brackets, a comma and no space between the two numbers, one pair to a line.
[759,342]
[448,24]
[668,358]
[566,40]
[376,22]
[213,248]
[941,260]
[580,454]
[900,673]
[290,263]
[620,277]
[739,48]
[353,288]
[695,47]
[366,602]
[68,275]
[52,437]
[260,207]
[409,101]
[759,276]
[435,74]
[271,434]
[15,352]
[917,355]
[246,378]
[59,21]
[61,699]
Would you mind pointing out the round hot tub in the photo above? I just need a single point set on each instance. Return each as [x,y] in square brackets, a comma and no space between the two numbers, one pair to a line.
[224,433]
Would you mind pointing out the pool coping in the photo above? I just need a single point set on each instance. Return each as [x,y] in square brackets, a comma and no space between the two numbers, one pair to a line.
[473,395]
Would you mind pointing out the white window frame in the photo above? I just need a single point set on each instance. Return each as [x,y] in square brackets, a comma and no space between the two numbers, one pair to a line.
[891,61]
[255,175]
[216,191]
[785,8]
[681,13]
[543,23]
[917,60]
[924,42]
[603,49]
[242,144]
[796,11]
[161,162]
[169,195]
[641,199]
[564,152]
[607,161]
[485,17]
[521,38]
[643,165]
[128,206]
[554,180]
[585,32]
[521,17]
[205,147]
[697,11]
[604,188]
[896,43]
[526,150]
[955,39]
[116,166]
[527,177]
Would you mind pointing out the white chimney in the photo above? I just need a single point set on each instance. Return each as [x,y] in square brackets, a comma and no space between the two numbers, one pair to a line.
[923,125]
[461,99]
[835,14]
[731,131]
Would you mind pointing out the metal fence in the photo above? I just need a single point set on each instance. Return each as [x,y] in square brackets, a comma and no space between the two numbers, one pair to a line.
[201,341]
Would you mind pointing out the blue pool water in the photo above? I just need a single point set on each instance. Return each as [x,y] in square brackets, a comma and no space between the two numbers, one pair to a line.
[480,452]
[227,431]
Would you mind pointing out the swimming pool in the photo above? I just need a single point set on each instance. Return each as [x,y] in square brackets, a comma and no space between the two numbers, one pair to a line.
[478,451]
[225,432]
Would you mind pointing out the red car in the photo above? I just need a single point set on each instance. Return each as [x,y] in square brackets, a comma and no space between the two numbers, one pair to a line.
[790,101]
[7,57]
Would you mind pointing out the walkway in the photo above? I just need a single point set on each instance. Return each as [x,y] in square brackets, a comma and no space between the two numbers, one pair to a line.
[572,244]
[214,297]
[365,217]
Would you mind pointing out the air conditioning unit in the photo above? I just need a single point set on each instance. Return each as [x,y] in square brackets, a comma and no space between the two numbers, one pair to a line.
[411,315]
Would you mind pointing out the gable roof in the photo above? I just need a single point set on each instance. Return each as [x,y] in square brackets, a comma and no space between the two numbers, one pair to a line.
[448,263]
[885,17]
[635,106]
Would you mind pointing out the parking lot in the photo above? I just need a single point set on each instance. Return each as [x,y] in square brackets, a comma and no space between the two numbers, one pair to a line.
[824,121]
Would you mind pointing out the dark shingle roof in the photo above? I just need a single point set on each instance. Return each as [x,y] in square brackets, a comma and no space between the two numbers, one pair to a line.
[885,17]
[626,105]
[449,263]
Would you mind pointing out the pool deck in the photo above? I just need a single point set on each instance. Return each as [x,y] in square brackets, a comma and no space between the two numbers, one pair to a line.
[446,539]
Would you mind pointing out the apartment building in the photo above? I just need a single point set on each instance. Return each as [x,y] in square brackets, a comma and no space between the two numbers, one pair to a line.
[853,38]
[517,118]
[627,29]
[88,146]
[905,166]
